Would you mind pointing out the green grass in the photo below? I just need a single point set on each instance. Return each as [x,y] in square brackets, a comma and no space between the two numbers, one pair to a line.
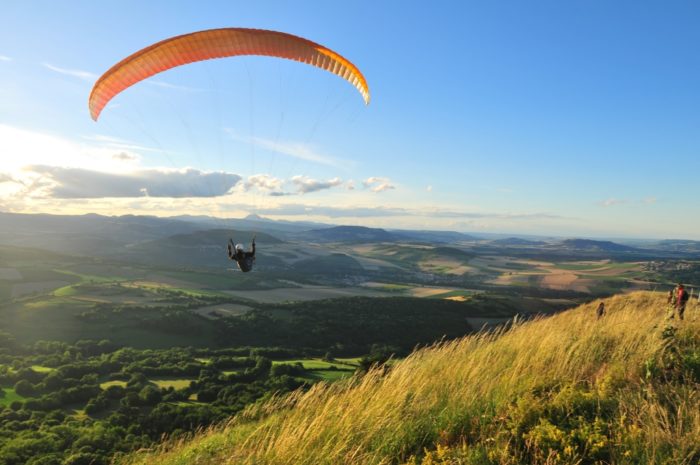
[593,266]
[115,382]
[10,396]
[42,369]
[91,278]
[66,291]
[332,375]
[456,293]
[352,361]
[56,318]
[392,287]
[155,286]
[310,363]
[176,383]
[198,292]
[224,281]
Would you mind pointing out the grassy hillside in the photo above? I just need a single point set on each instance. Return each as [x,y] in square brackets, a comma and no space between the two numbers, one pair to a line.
[560,390]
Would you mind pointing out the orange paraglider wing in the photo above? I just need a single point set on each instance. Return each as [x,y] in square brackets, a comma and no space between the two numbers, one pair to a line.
[218,43]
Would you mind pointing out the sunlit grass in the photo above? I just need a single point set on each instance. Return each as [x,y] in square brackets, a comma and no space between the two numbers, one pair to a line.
[116,382]
[310,363]
[42,369]
[175,383]
[478,400]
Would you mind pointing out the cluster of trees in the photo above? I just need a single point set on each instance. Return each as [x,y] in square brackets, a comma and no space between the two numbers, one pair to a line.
[92,400]
[680,272]
[68,415]
[350,325]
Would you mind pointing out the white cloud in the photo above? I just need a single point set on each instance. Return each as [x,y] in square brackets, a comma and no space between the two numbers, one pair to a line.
[306,185]
[429,188]
[649,200]
[5,58]
[611,202]
[123,156]
[84,75]
[263,182]
[294,149]
[378,184]
[77,183]
[4,177]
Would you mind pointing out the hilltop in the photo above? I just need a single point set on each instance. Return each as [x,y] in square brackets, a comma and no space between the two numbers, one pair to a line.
[562,389]
[359,234]
[597,246]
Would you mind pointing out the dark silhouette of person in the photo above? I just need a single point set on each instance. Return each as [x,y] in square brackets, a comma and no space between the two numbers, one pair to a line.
[681,300]
[244,259]
[600,311]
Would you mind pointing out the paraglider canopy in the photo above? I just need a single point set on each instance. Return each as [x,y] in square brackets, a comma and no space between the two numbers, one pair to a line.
[218,43]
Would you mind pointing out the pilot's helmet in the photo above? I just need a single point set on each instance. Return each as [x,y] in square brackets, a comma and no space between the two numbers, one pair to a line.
[239,247]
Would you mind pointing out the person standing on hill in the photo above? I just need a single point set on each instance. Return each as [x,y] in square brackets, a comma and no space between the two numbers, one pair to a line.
[600,311]
[681,299]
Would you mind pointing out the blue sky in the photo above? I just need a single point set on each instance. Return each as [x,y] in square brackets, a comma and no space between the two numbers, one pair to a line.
[559,118]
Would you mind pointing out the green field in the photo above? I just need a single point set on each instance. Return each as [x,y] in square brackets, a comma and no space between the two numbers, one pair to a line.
[312,364]
[329,375]
[108,384]
[575,266]
[176,383]
[9,397]
[457,293]
[42,369]
[352,361]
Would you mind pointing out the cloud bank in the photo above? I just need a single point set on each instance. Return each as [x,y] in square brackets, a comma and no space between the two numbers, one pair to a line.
[77,183]
[307,185]
[4,177]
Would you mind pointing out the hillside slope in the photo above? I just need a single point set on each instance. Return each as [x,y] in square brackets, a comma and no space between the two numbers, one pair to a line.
[560,390]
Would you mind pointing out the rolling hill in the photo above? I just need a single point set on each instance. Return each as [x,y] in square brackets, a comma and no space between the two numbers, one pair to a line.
[588,245]
[349,234]
[199,249]
[559,390]
[516,242]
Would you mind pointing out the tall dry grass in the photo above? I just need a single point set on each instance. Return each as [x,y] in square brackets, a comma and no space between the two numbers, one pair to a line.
[454,393]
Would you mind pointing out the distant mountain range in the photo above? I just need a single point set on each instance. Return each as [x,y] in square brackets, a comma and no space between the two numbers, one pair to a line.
[350,234]
[588,245]
[365,234]
[517,241]
[677,245]
[96,235]
[86,234]
[253,223]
